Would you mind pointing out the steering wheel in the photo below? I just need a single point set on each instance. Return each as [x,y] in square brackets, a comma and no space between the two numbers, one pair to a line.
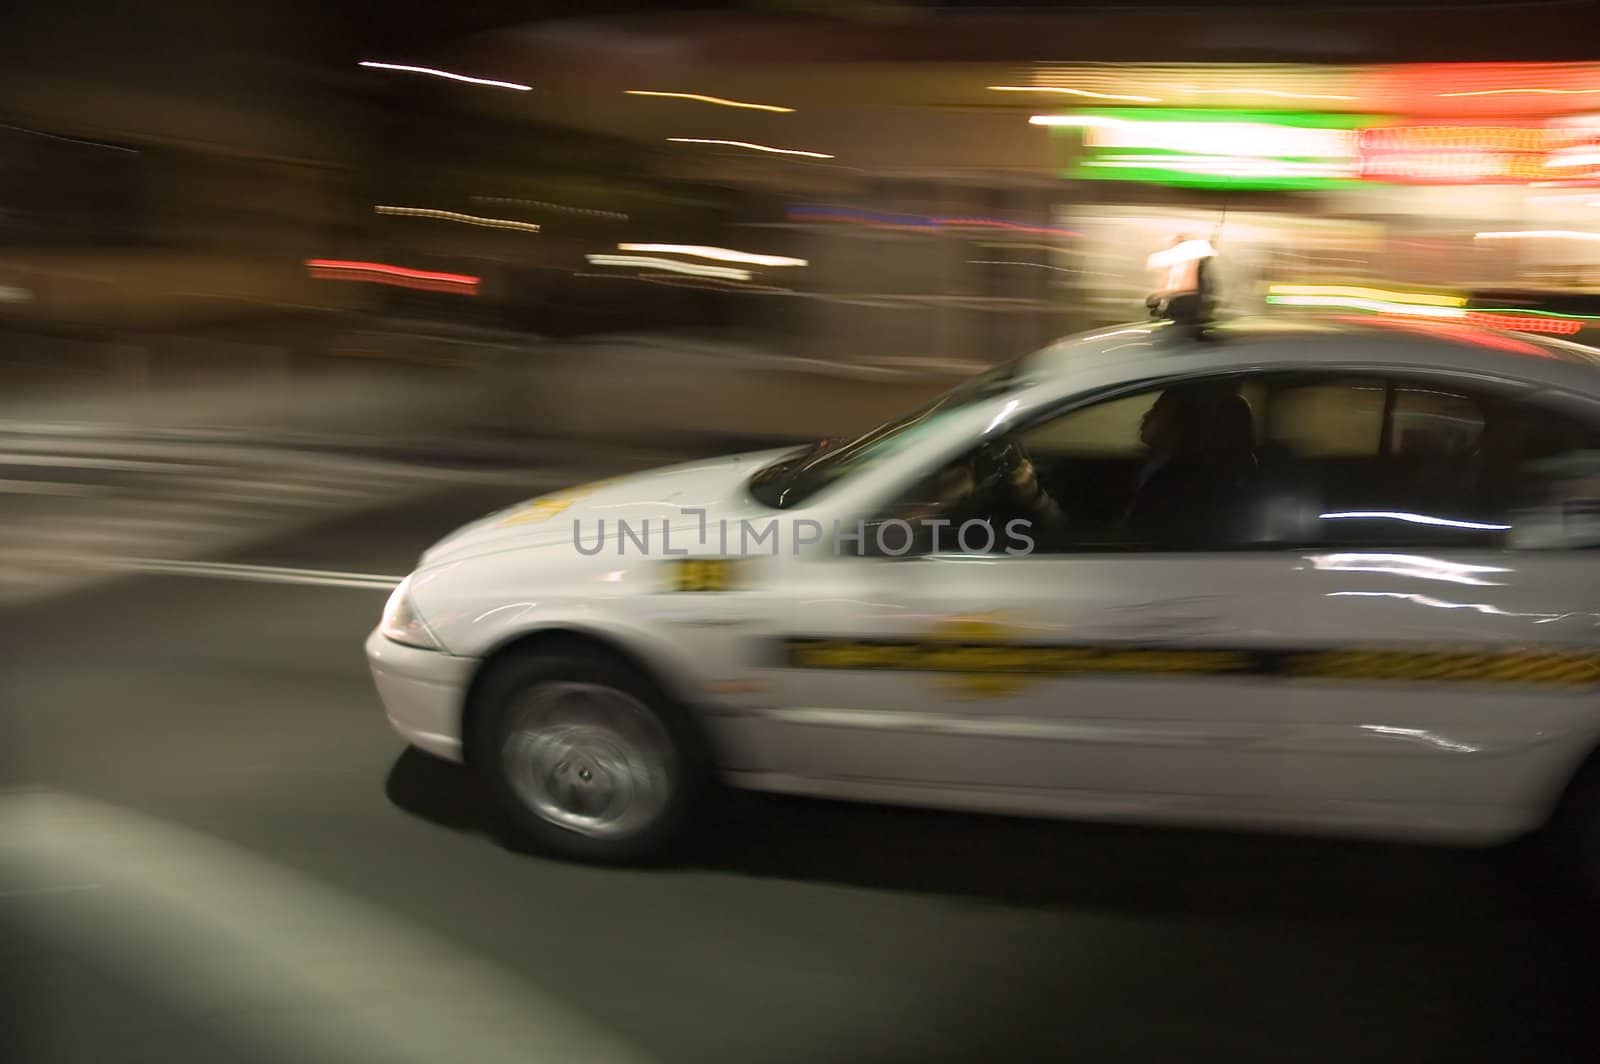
[994,468]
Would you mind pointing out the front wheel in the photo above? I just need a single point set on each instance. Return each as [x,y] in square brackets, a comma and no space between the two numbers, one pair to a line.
[586,758]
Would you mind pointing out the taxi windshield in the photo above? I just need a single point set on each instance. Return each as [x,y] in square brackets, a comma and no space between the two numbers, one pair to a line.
[799,476]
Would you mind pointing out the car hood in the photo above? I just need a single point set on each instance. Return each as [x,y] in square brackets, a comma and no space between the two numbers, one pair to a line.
[657,495]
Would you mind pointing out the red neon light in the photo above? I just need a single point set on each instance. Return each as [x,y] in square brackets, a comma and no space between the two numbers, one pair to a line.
[398,276]
[1465,334]
[1513,154]
[1521,323]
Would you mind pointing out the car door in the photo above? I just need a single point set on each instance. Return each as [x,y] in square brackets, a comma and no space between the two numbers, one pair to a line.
[1292,662]
[1086,675]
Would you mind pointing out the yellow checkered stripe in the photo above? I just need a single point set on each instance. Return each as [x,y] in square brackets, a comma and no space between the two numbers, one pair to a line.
[1525,666]
[1469,666]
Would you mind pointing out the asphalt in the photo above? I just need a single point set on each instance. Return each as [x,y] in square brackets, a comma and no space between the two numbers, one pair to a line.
[212,848]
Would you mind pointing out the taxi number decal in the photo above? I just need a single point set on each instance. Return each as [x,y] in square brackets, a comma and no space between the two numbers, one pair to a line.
[1510,666]
[704,574]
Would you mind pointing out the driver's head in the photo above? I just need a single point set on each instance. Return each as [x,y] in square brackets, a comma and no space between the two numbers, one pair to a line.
[1181,417]
[1162,428]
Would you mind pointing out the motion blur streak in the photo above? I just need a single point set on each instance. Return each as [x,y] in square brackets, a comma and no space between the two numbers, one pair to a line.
[1522,92]
[1412,519]
[559,208]
[1278,94]
[1064,91]
[1538,234]
[700,251]
[398,276]
[752,147]
[456,216]
[1379,305]
[890,220]
[1084,121]
[718,100]
[1353,292]
[434,72]
[694,269]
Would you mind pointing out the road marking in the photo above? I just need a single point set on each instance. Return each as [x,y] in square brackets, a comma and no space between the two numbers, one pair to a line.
[271,574]
[72,461]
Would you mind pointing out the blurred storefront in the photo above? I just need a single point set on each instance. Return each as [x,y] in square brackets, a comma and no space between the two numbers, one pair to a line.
[907,184]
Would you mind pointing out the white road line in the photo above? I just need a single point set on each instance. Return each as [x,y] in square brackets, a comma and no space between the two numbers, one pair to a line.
[271,574]
[71,461]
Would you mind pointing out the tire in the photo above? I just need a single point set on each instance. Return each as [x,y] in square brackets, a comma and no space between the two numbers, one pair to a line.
[585,757]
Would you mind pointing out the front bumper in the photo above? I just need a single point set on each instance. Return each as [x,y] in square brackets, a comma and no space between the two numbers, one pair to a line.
[422,693]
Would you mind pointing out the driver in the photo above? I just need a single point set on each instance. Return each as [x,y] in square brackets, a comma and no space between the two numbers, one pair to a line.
[996,484]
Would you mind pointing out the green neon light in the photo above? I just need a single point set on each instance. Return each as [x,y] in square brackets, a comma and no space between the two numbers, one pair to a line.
[1298,119]
[1191,170]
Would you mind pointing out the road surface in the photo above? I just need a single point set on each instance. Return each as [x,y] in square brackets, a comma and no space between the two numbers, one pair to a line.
[212,847]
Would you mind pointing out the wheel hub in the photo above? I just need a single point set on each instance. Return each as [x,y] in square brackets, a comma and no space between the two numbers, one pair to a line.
[588,758]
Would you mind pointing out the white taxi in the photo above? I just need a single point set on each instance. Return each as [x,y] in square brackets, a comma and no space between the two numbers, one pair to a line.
[1321,576]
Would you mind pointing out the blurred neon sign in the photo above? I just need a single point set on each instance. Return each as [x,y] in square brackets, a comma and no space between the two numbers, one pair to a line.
[1291,149]
[1506,154]
[1221,148]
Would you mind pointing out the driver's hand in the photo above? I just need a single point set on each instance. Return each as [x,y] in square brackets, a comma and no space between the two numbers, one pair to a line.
[1025,481]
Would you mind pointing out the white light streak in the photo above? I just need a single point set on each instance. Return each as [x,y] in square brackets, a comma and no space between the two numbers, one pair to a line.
[1064,91]
[433,72]
[720,101]
[752,147]
[701,251]
[456,216]
[272,574]
[1550,234]
[1411,519]
[1379,306]
[1081,121]
[693,269]
[1416,566]
[1276,93]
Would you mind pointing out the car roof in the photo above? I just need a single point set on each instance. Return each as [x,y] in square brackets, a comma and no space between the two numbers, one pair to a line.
[1159,348]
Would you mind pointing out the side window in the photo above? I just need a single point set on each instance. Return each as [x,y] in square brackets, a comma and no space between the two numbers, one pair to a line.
[1451,466]
[1163,469]
[1272,461]
[1434,422]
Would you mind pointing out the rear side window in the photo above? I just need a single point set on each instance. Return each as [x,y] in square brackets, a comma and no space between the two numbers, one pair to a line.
[1397,462]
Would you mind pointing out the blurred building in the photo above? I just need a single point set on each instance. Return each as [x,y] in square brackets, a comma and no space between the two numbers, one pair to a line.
[920,182]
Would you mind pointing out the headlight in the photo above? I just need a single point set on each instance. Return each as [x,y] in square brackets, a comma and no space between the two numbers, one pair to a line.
[401,622]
